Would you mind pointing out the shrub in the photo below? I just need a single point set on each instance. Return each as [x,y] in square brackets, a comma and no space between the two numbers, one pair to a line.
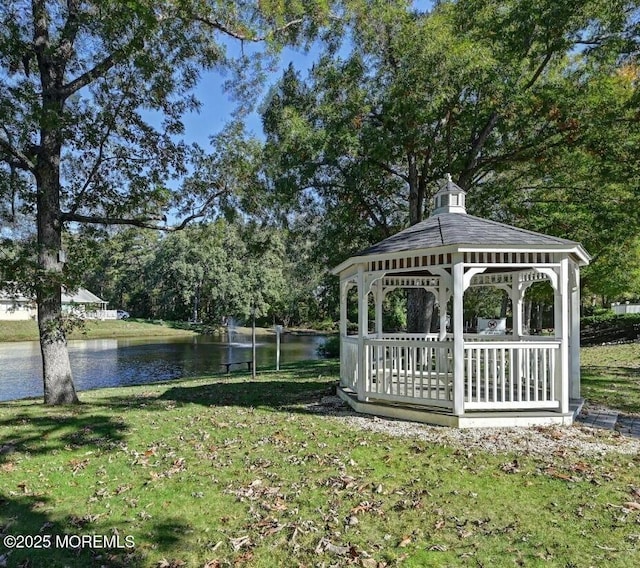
[330,349]
[609,328]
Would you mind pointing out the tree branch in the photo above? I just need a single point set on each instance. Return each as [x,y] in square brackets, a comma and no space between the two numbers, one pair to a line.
[225,29]
[149,222]
[391,171]
[70,30]
[13,156]
[92,74]
[539,70]
[100,159]
[101,68]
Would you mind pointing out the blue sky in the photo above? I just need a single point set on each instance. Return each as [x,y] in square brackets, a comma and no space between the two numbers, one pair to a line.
[217,106]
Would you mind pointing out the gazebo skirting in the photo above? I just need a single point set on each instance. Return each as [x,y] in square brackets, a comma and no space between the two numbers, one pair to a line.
[504,381]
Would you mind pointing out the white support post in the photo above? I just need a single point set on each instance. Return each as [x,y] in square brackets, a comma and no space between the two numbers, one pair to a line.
[561,319]
[574,345]
[517,301]
[379,296]
[443,299]
[363,330]
[344,292]
[518,290]
[458,337]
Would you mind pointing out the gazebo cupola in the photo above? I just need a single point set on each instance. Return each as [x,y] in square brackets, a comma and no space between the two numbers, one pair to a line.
[498,377]
[449,199]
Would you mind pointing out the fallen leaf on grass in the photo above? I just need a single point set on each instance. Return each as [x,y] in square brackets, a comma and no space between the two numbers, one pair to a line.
[268,527]
[240,542]
[607,548]
[406,541]
[510,467]
[243,558]
[80,522]
[326,545]
[632,505]
[164,563]
[78,465]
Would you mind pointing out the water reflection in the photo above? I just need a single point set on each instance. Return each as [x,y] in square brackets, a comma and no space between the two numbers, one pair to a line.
[113,362]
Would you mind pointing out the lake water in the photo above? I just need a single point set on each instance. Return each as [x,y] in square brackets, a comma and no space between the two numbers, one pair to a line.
[100,363]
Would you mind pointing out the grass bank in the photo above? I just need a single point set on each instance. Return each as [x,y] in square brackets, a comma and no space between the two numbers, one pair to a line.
[28,330]
[233,472]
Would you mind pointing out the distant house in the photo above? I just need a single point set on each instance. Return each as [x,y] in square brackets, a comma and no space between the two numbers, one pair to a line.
[16,306]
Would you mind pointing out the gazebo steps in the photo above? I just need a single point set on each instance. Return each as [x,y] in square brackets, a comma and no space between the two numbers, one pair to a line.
[471,419]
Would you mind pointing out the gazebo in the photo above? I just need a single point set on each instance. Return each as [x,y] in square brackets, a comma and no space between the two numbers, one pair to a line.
[451,377]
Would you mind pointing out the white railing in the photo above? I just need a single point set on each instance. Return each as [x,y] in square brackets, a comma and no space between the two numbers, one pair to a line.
[408,337]
[498,374]
[510,375]
[349,362]
[508,338]
[409,371]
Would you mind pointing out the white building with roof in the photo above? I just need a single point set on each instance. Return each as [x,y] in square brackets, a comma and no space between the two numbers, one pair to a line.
[17,306]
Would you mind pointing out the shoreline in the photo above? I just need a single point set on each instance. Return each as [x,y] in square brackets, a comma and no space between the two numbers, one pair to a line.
[17,331]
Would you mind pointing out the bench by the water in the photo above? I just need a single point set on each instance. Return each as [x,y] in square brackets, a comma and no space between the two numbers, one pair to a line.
[228,365]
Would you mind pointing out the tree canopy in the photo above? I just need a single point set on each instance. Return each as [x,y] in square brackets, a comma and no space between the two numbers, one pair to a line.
[532,107]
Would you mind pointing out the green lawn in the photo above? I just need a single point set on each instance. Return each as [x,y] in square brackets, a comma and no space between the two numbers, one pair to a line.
[230,472]
[611,376]
[28,330]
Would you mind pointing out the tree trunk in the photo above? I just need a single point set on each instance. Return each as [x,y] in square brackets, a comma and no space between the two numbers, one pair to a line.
[528,304]
[420,304]
[56,368]
[504,307]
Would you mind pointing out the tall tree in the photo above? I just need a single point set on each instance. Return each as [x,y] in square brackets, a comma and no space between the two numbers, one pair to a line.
[466,88]
[81,84]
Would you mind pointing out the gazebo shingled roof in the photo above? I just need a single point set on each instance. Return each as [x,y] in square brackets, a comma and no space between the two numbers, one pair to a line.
[455,229]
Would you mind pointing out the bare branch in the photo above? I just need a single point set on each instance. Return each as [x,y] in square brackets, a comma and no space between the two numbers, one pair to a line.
[148,222]
[92,74]
[70,29]
[225,29]
[100,159]
[391,171]
[13,156]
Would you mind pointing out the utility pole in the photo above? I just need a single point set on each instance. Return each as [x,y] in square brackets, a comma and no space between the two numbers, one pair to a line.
[253,341]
